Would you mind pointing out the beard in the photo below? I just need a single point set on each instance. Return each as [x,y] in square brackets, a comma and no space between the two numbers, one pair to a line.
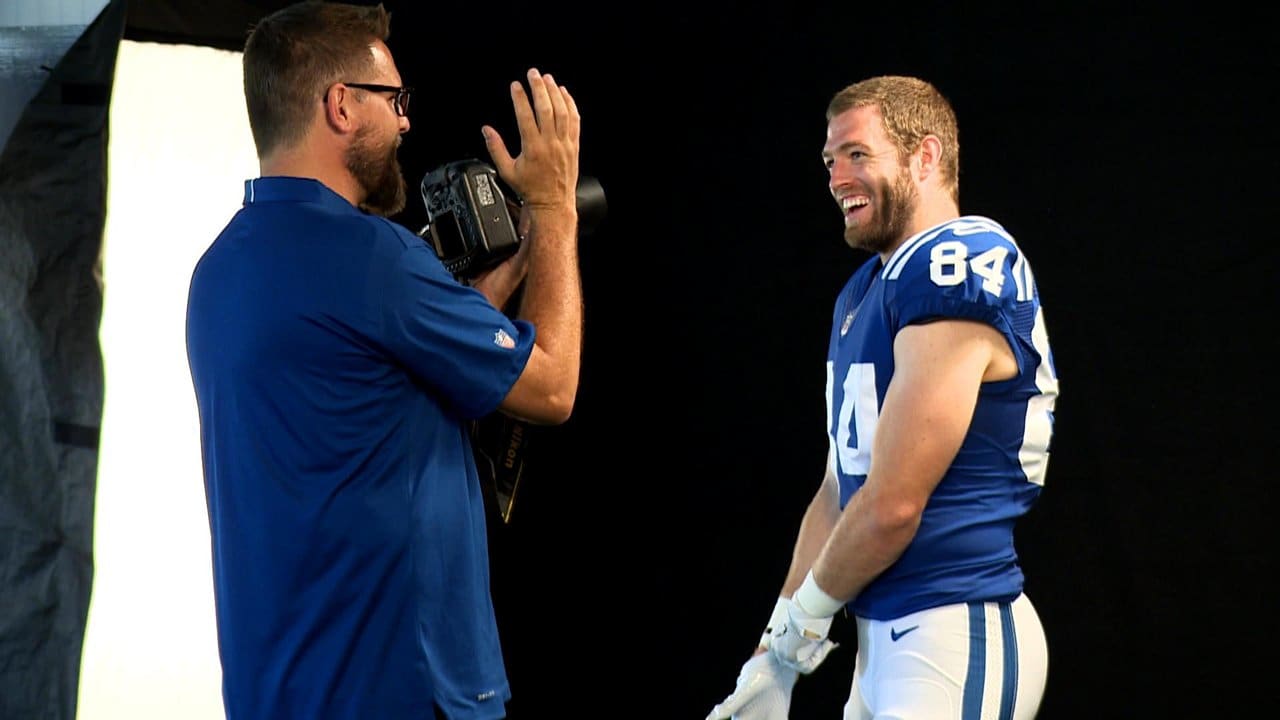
[894,204]
[377,169]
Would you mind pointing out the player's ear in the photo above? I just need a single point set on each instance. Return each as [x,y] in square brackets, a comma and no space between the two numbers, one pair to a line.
[928,157]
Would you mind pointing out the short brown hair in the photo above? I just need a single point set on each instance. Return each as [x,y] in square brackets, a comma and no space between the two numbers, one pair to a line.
[911,109]
[293,54]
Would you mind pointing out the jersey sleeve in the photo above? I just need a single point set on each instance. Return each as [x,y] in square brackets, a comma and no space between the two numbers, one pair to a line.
[449,336]
[969,271]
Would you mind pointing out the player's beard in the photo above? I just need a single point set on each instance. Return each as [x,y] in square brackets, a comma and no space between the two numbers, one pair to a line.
[377,169]
[894,204]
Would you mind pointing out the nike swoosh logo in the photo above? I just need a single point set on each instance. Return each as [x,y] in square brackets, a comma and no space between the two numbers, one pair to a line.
[894,635]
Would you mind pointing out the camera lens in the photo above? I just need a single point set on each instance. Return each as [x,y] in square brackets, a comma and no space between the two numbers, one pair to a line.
[591,204]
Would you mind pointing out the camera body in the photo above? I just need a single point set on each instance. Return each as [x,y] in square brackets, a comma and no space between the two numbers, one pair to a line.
[472,215]
[470,222]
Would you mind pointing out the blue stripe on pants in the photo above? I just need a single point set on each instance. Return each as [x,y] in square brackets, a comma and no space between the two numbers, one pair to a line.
[973,682]
[976,677]
[1010,662]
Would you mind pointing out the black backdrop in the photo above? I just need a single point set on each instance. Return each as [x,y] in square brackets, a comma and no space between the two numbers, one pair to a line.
[1130,155]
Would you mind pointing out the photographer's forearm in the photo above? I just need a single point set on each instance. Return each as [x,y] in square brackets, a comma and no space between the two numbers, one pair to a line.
[552,301]
[552,298]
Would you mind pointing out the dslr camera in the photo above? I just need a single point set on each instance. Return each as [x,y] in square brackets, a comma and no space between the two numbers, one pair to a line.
[472,215]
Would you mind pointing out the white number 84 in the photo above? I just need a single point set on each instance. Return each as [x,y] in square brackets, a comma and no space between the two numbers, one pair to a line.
[948,266]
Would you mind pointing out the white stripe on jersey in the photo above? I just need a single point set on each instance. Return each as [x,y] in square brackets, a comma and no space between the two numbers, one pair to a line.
[1019,279]
[972,225]
[1033,456]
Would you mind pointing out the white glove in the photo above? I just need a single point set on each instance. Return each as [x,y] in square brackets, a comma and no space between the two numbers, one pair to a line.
[801,642]
[763,691]
[777,619]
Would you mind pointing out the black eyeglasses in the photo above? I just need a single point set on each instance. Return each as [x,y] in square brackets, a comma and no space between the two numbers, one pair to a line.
[400,101]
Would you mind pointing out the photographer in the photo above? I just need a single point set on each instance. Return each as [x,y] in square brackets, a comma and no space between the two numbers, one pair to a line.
[336,365]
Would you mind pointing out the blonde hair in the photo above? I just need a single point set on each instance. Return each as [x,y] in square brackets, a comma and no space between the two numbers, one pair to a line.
[911,109]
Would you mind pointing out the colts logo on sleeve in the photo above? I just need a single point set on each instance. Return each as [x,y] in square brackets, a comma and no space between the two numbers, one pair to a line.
[502,339]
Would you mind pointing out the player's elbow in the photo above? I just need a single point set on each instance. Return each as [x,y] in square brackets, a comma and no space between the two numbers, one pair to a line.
[897,516]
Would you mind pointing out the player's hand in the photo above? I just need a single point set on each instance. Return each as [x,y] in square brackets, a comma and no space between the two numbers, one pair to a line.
[545,173]
[762,692]
[801,642]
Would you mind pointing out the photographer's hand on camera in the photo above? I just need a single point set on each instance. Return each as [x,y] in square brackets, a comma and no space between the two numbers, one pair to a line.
[501,281]
[545,175]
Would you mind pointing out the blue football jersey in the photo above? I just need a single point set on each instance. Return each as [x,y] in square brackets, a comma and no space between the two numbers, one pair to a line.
[968,268]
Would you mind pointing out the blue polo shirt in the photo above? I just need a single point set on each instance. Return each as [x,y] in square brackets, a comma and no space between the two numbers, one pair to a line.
[336,364]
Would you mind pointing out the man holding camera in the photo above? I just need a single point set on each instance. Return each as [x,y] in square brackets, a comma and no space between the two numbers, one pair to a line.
[336,366]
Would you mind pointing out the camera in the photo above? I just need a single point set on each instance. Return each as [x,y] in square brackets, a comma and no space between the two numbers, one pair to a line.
[472,215]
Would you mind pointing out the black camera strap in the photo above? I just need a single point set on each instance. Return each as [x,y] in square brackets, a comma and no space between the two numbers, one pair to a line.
[499,442]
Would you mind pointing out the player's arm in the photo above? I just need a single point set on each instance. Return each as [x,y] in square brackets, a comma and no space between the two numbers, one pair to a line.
[763,687]
[815,527]
[939,368]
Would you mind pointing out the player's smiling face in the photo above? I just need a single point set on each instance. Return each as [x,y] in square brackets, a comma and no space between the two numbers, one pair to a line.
[868,181]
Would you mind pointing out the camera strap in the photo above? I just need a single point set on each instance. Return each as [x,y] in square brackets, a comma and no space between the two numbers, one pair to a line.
[499,443]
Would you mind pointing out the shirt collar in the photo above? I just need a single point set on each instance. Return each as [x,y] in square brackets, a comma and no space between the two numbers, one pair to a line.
[293,190]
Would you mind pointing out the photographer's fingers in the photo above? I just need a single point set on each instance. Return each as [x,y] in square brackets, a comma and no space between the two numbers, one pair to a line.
[574,123]
[502,160]
[559,109]
[525,122]
[545,170]
[541,99]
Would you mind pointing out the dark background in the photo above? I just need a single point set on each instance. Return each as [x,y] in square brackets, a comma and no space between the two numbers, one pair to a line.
[1131,156]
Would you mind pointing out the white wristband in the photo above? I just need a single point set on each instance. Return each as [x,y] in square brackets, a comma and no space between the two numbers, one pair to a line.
[776,620]
[814,600]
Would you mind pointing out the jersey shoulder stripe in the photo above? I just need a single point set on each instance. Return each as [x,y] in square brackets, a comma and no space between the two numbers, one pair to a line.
[969,267]
[967,225]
